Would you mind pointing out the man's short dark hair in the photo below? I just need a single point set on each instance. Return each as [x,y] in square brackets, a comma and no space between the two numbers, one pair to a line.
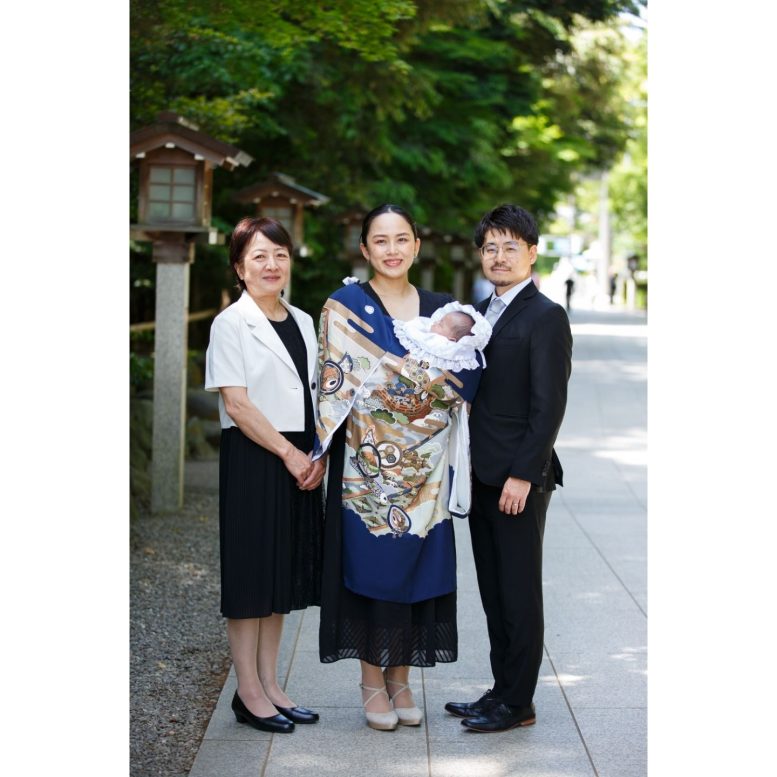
[508,218]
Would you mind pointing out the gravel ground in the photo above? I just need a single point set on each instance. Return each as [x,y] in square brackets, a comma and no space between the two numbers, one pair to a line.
[179,657]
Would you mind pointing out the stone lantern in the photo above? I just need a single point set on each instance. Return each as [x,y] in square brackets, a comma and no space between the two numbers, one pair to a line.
[174,212]
[280,197]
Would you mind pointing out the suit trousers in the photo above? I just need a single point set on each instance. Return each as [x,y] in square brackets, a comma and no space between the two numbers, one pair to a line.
[508,559]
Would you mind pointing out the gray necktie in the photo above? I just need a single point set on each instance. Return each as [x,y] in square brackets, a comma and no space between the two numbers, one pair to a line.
[494,309]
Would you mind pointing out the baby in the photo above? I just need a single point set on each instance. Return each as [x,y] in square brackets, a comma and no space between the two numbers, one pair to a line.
[448,339]
[453,325]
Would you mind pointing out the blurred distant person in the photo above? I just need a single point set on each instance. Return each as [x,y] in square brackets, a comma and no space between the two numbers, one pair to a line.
[613,285]
[569,283]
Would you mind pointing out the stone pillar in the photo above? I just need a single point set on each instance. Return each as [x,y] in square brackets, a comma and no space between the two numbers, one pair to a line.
[170,342]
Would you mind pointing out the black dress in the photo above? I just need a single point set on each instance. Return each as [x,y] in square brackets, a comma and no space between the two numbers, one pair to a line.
[379,632]
[270,532]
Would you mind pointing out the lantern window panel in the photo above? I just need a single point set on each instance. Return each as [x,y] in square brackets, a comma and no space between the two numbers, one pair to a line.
[184,175]
[279,213]
[183,193]
[159,174]
[158,211]
[183,210]
[172,193]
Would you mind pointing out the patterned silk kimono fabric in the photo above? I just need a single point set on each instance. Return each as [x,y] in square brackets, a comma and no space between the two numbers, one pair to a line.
[405,452]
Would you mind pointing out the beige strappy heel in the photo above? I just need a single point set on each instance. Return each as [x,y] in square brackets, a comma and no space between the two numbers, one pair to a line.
[381,721]
[408,716]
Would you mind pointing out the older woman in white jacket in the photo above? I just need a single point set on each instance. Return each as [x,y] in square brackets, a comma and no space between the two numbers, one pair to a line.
[261,359]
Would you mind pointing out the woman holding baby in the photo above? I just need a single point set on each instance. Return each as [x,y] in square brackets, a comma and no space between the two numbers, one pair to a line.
[392,419]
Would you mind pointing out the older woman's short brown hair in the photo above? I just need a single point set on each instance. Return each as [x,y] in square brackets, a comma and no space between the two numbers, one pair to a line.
[244,233]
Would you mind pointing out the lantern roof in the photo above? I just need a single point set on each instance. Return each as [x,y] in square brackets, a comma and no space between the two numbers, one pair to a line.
[281,185]
[174,131]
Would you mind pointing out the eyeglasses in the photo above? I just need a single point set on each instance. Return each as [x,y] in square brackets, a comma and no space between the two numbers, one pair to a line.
[511,249]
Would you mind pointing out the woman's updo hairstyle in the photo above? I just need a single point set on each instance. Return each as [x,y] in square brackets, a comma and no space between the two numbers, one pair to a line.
[379,211]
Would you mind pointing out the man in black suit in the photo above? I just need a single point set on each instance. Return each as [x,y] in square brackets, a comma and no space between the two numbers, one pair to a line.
[515,418]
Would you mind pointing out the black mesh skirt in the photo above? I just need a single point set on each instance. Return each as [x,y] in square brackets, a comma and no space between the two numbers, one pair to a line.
[381,633]
[270,532]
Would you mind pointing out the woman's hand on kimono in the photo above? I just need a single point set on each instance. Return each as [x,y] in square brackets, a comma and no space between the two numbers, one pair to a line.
[298,464]
[315,476]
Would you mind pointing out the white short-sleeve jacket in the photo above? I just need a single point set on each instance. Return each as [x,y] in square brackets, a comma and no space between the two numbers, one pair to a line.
[245,350]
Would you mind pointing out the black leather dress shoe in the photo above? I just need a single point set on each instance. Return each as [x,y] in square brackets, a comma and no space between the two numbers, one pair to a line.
[471,709]
[298,714]
[501,717]
[276,724]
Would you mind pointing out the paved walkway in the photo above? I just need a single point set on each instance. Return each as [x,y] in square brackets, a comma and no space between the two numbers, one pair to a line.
[591,698]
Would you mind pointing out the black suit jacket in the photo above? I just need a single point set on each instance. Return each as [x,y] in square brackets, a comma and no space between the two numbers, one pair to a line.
[520,403]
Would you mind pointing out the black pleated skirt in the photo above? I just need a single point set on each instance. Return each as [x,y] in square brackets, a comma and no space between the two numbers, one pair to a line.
[378,632]
[270,532]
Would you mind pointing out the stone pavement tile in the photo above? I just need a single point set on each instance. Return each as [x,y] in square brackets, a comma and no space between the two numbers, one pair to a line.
[341,744]
[230,759]
[597,504]
[616,740]
[581,567]
[313,684]
[562,531]
[591,480]
[629,566]
[609,520]
[567,635]
[550,748]
[594,600]
[613,679]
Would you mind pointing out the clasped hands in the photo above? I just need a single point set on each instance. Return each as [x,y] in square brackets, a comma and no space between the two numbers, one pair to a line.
[515,492]
[306,472]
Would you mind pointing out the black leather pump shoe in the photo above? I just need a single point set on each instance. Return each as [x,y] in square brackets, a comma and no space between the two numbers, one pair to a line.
[277,724]
[298,714]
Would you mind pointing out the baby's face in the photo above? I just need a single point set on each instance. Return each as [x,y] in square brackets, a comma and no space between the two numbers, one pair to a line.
[443,327]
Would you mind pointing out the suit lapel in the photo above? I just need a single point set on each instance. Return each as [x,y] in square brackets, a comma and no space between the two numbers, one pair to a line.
[515,307]
[263,330]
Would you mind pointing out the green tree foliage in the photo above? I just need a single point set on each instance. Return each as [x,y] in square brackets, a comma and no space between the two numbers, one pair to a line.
[446,108]
[628,182]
